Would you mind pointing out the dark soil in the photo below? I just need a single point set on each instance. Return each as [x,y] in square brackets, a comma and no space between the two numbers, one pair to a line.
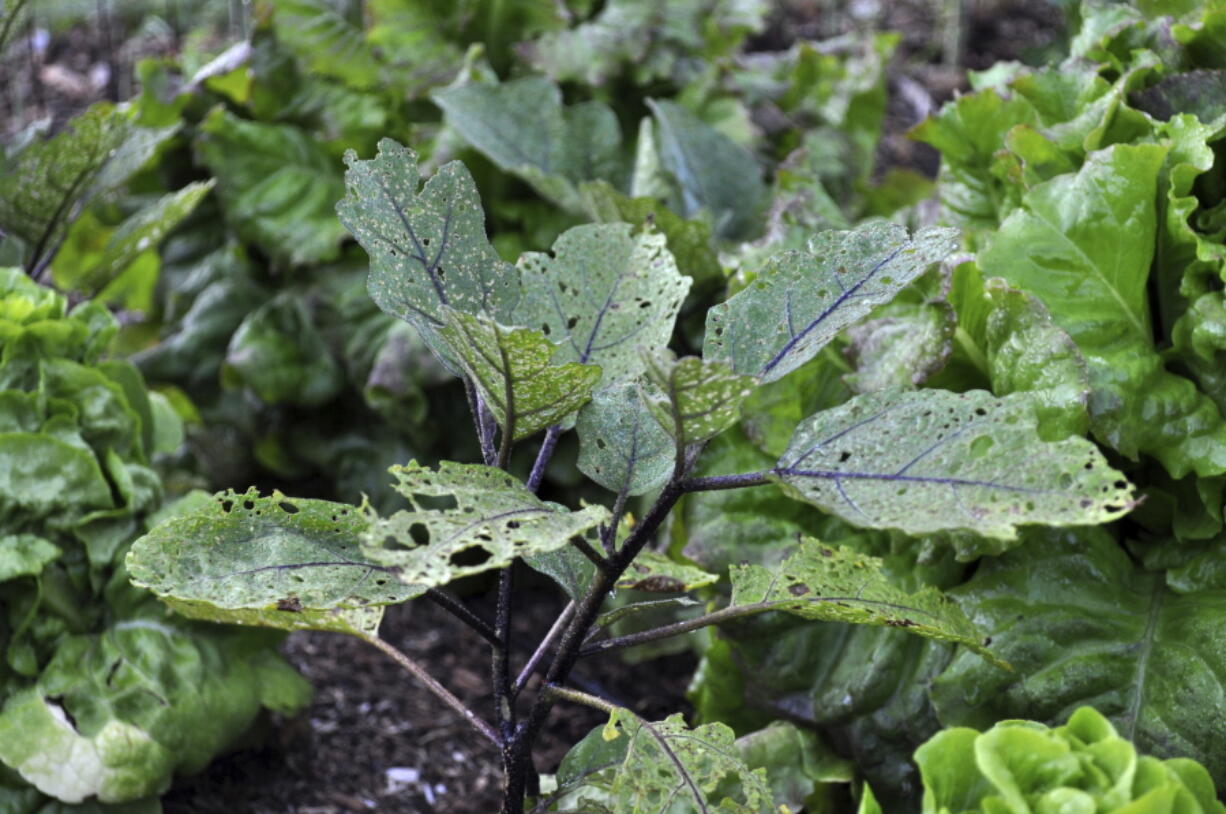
[375,740]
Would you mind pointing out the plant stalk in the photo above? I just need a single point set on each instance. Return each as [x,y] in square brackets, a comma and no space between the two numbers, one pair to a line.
[461,611]
[435,687]
[542,457]
[551,637]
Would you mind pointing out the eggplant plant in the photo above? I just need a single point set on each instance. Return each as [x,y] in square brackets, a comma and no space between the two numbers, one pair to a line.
[578,340]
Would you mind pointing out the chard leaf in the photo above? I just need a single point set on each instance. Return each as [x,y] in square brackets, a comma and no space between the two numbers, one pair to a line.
[494,515]
[712,172]
[49,180]
[621,445]
[902,347]
[1115,638]
[1084,244]
[278,186]
[692,399]
[605,294]
[836,584]
[274,561]
[523,128]
[801,300]
[427,247]
[25,555]
[932,460]
[513,369]
[139,233]
[1027,352]
[330,44]
[633,766]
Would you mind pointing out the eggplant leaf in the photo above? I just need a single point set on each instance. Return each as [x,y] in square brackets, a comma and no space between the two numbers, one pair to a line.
[427,246]
[514,371]
[801,300]
[693,400]
[606,295]
[621,445]
[927,461]
[495,516]
[274,561]
[841,585]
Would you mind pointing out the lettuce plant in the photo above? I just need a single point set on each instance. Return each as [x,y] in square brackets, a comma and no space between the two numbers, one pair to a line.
[578,339]
[104,695]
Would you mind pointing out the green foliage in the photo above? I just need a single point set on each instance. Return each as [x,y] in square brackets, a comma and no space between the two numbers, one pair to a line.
[103,694]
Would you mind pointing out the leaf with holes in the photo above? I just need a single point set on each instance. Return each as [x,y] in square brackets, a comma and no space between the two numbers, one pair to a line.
[651,572]
[932,460]
[635,766]
[514,370]
[801,300]
[836,584]
[274,561]
[427,245]
[693,399]
[494,520]
[605,294]
[621,445]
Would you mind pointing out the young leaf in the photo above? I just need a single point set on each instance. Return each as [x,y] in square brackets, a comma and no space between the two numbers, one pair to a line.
[692,399]
[633,766]
[651,572]
[427,246]
[713,172]
[277,183]
[319,34]
[932,460]
[621,445]
[605,294]
[801,300]
[841,585]
[279,562]
[523,128]
[495,517]
[513,369]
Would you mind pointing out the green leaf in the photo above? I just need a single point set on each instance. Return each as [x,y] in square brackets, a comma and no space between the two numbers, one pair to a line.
[116,714]
[651,572]
[494,515]
[641,767]
[712,172]
[606,296]
[523,128]
[692,399]
[87,268]
[25,555]
[1028,353]
[621,445]
[50,179]
[932,460]
[801,300]
[513,368]
[901,347]
[328,42]
[1084,244]
[841,585]
[275,561]
[279,353]
[278,186]
[798,765]
[1115,637]
[50,474]
[427,247]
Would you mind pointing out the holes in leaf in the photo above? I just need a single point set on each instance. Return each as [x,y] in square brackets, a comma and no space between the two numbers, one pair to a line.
[545,328]
[571,323]
[419,534]
[287,507]
[844,456]
[469,557]
[600,444]
[227,506]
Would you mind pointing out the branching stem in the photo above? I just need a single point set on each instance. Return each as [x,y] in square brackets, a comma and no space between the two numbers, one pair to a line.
[460,610]
[542,649]
[542,457]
